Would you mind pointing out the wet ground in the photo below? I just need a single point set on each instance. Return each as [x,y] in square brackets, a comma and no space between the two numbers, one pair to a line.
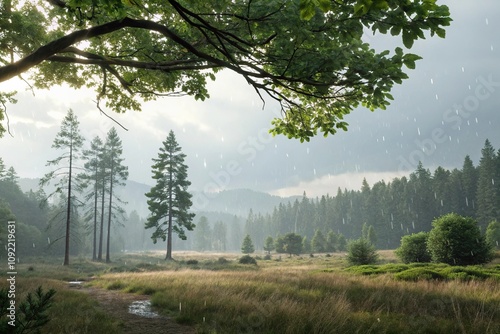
[135,313]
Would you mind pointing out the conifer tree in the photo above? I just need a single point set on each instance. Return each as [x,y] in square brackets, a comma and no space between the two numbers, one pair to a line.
[487,192]
[117,175]
[92,178]
[247,245]
[469,187]
[169,201]
[70,141]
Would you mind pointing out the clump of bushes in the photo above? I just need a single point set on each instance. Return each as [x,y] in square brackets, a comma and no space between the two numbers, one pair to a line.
[415,274]
[453,239]
[247,259]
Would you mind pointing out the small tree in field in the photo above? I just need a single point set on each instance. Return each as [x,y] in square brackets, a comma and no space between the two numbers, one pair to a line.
[269,244]
[247,245]
[361,252]
[457,240]
[414,248]
[292,244]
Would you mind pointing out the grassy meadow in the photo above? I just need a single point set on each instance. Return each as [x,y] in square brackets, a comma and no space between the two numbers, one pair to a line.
[320,294]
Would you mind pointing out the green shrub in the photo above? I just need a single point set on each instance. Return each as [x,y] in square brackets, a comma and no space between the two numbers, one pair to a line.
[192,262]
[414,248]
[360,252]
[247,259]
[416,274]
[457,240]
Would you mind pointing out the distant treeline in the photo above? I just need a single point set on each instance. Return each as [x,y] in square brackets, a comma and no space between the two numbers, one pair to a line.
[403,206]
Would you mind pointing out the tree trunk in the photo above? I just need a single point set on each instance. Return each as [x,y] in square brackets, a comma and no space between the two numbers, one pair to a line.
[170,201]
[99,255]
[68,210]
[94,248]
[110,209]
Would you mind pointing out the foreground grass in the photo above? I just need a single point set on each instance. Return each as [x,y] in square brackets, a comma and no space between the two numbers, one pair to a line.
[71,311]
[285,295]
[297,296]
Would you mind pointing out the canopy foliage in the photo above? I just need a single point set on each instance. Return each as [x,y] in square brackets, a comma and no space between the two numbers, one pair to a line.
[309,55]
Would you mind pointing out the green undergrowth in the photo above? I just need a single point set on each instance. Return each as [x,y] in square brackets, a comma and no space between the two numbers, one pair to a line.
[71,311]
[433,271]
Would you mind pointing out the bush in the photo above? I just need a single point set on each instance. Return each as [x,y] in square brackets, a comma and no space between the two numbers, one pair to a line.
[360,252]
[192,262]
[457,240]
[416,274]
[414,248]
[247,259]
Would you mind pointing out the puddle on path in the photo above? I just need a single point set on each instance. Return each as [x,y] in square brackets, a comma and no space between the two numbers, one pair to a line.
[142,308]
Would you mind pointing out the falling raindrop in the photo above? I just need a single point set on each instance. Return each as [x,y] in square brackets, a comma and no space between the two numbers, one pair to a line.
[222,138]
[466,201]
[477,120]
[314,171]
[402,228]
[343,221]
[486,21]
[418,130]
[441,202]
[435,195]
[432,81]
[392,225]
[48,240]
[463,69]
[413,224]
[437,98]
[493,181]
[205,163]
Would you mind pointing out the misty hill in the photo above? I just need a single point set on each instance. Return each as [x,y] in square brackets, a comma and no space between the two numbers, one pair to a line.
[229,202]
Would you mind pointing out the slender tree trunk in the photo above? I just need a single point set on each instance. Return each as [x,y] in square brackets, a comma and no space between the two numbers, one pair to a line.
[170,201]
[96,195]
[99,255]
[68,211]
[110,209]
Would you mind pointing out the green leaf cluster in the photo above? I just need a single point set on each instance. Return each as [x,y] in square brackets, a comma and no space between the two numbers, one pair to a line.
[309,55]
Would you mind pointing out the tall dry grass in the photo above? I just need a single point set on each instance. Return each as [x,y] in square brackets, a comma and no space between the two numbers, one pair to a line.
[297,300]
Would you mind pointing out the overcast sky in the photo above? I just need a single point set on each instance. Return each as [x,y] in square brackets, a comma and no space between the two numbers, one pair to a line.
[446,110]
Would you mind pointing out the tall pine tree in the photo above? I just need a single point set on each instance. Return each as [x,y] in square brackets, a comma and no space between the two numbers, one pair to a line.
[117,175]
[169,200]
[70,141]
[487,186]
[92,179]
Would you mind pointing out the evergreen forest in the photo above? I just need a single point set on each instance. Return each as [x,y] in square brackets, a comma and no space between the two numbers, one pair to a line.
[400,207]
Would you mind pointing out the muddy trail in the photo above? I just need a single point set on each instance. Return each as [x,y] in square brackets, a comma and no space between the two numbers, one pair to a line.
[117,304]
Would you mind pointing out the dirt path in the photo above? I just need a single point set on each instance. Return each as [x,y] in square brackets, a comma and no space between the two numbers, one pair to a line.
[117,303]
